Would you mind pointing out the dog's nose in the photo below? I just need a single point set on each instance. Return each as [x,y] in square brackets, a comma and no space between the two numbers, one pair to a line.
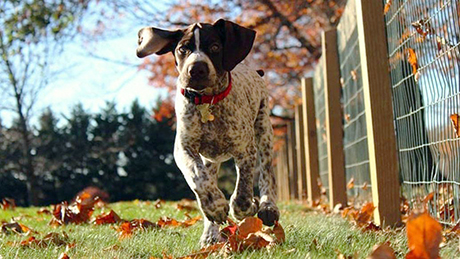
[199,70]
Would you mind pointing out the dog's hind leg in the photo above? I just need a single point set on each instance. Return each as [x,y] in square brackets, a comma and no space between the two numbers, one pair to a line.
[268,211]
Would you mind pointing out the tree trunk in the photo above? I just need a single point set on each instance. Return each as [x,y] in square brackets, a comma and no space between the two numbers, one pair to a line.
[32,184]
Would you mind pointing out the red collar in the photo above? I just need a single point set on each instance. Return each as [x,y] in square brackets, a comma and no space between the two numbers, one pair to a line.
[211,99]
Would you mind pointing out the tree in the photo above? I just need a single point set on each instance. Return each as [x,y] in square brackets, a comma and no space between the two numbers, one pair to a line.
[150,171]
[31,32]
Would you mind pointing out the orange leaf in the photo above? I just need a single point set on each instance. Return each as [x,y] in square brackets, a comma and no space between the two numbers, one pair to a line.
[455,118]
[108,218]
[365,214]
[387,6]
[383,251]
[412,59]
[279,233]
[63,256]
[424,236]
[249,225]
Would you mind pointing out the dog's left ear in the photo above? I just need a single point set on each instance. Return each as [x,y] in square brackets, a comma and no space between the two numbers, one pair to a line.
[237,42]
[153,40]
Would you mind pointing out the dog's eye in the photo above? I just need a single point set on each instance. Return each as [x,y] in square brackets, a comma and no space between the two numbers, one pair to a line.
[182,50]
[215,48]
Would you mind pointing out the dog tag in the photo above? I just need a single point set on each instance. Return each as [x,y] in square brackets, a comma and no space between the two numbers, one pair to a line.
[205,112]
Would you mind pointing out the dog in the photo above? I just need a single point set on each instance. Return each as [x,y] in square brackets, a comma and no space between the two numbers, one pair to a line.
[222,113]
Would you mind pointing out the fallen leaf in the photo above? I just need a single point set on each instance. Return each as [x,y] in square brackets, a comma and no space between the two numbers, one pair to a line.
[455,118]
[51,238]
[8,204]
[158,203]
[279,233]
[78,212]
[424,236]
[383,251]
[107,218]
[249,225]
[44,211]
[127,228]
[205,252]
[15,227]
[365,214]
[63,256]
[186,204]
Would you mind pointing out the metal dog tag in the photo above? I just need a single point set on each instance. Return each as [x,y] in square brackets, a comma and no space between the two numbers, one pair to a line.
[205,112]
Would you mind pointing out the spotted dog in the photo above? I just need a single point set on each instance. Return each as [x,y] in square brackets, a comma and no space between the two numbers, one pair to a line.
[222,113]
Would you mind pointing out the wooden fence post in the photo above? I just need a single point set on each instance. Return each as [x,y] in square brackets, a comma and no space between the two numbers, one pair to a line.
[334,130]
[285,173]
[383,161]
[300,147]
[292,158]
[311,143]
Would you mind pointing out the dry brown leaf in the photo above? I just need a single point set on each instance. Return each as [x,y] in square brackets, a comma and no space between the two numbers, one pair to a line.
[249,225]
[63,255]
[383,251]
[279,233]
[8,204]
[365,214]
[107,218]
[158,203]
[424,236]
[186,204]
[15,227]
[51,238]
[44,211]
[78,212]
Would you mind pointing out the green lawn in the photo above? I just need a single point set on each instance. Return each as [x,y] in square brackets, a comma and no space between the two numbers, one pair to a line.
[309,234]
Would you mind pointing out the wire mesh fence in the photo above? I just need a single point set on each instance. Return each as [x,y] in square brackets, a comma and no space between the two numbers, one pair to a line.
[423,46]
[354,121]
[320,110]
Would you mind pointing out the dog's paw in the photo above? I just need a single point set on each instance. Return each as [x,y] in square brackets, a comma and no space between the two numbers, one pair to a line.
[217,211]
[241,207]
[268,213]
[211,234]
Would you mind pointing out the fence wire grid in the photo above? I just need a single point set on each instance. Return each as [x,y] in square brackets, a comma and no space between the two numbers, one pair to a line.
[423,47]
[354,117]
[320,114]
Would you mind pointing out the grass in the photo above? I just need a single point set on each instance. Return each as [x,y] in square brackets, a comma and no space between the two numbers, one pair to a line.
[309,234]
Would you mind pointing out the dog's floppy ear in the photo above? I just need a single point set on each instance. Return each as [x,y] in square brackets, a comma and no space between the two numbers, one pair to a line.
[237,42]
[153,40]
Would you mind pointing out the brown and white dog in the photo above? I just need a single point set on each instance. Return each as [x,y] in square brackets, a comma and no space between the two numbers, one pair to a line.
[222,113]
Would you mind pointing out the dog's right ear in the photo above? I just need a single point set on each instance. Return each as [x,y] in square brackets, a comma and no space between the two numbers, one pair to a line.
[152,40]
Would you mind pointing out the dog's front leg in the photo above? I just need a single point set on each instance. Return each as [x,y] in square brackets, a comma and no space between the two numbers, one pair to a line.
[201,176]
[242,203]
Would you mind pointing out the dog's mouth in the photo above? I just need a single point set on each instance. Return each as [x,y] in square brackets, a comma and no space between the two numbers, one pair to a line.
[196,85]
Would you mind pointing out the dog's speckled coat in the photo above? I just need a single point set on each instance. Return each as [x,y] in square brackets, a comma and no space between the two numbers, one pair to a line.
[241,129]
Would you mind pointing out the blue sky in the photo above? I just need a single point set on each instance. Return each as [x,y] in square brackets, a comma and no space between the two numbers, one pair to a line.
[80,78]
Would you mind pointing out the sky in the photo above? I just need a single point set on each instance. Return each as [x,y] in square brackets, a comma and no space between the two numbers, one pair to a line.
[94,81]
